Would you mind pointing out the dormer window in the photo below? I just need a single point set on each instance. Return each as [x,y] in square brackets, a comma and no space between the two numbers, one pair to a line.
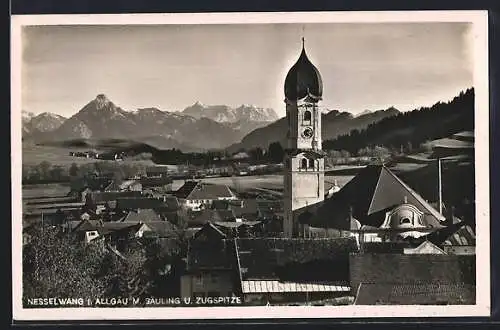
[405,220]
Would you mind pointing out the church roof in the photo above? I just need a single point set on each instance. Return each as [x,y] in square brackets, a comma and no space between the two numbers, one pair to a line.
[374,191]
[303,80]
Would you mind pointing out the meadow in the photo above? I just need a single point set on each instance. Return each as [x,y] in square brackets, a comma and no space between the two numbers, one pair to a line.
[34,155]
[45,190]
[273,182]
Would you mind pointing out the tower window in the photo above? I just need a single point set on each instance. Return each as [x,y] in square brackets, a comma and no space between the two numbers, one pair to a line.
[311,163]
[303,163]
[307,117]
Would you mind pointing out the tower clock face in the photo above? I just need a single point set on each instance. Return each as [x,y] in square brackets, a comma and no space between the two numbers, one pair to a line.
[307,132]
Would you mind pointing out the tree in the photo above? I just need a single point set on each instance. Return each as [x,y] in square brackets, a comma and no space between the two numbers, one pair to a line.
[275,152]
[124,275]
[57,173]
[256,154]
[380,152]
[54,266]
[44,169]
[73,170]
[345,153]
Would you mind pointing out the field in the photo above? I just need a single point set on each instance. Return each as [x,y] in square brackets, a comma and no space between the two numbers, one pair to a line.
[274,182]
[45,190]
[33,155]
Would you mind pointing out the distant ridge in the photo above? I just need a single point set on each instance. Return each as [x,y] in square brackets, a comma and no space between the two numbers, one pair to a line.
[196,128]
[334,123]
[410,129]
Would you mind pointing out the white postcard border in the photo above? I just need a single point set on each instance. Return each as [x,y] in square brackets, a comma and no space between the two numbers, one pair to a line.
[481,82]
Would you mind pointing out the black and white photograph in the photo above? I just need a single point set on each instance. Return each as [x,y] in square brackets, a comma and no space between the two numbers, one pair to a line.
[250,165]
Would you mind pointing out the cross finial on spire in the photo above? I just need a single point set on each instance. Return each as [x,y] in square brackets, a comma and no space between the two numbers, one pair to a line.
[303,39]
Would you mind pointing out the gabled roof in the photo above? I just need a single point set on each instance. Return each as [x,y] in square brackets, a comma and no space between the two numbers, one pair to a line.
[128,183]
[86,225]
[425,248]
[213,254]
[105,227]
[213,229]
[203,191]
[186,189]
[440,236]
[465,134]
[72,224]
[155,181]
[464,236]
[134,203]
[162,228]
[371,193]
[142,215]
[260,258]
[108,196]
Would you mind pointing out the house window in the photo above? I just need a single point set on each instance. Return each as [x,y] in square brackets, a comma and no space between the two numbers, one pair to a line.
[198,279]
[307,117]
[303,164]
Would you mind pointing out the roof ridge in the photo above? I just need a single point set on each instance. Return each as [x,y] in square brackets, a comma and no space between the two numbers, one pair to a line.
[376,187]
[419,198]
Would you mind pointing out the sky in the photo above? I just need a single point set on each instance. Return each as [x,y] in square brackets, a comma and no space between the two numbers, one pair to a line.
[364,66]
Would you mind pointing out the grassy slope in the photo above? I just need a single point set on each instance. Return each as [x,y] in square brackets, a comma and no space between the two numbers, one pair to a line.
[33,155]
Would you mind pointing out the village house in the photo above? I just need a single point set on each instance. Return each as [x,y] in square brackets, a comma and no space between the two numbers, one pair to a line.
[116,234]
[196,195]
[413,279]
[267,270]
[158,171]
[141,215]
[229,230]
[130,185]
[458,239]
[162,183]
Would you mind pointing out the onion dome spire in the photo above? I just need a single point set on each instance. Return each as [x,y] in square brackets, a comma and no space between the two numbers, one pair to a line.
[303,80]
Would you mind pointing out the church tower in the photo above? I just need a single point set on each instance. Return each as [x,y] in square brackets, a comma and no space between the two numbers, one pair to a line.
[304,162]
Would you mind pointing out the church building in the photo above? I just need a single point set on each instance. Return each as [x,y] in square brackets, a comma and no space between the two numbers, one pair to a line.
[376,200]
[304,160]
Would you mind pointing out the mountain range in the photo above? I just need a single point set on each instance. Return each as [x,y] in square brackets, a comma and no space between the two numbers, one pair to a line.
[198,127]
[34,125]
[226,114]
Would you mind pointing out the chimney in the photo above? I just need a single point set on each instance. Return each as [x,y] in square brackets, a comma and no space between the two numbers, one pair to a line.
[451,216]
